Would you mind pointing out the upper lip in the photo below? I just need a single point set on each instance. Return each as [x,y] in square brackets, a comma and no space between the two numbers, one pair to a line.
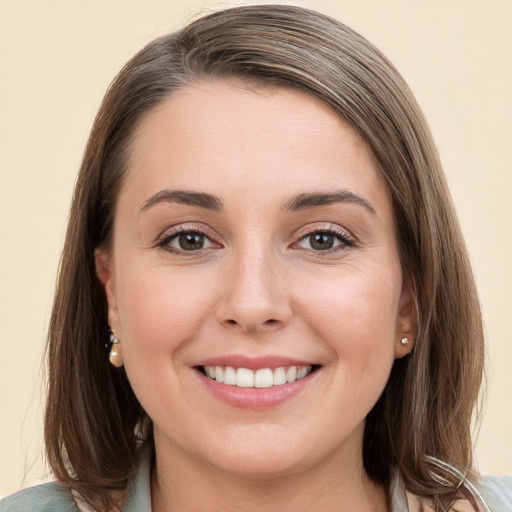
[253,363]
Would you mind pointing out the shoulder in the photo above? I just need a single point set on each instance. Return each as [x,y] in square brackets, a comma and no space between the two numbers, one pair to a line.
[50,497]
[497,492]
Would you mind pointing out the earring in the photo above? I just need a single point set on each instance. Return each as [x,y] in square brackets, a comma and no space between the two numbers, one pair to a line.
[404,341]
[115,355]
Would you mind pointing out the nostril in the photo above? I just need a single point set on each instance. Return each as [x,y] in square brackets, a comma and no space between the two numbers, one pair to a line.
[249,321]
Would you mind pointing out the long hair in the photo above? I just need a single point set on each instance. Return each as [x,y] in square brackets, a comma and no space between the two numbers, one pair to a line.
[95,425]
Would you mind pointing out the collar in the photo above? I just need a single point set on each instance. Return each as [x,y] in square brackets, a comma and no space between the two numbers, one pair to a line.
[138,498]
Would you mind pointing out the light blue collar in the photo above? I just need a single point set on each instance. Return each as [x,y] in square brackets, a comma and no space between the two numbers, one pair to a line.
[138,498]
[497,491]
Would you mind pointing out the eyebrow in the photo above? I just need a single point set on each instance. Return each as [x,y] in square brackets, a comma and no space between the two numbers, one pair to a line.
[314,199]
[300,202]
[200,199]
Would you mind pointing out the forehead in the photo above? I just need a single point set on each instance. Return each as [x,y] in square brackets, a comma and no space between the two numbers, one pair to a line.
[221,135]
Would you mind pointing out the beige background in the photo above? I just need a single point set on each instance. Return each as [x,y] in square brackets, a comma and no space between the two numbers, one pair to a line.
[56,60]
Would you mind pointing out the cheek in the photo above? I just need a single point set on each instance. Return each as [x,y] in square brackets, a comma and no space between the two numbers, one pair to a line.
[160,312]
[357,317]
[160,308]
[356,323]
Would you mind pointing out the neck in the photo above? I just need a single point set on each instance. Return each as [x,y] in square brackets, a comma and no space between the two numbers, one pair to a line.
[333,485]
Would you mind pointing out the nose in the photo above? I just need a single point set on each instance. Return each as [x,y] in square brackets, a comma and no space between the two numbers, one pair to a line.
[254,298]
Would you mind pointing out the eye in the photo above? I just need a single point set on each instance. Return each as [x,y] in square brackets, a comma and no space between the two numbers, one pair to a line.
[186,241]
[324,240]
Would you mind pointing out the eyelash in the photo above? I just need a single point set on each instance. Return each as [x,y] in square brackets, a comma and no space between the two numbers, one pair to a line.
[165,240]
[345,239]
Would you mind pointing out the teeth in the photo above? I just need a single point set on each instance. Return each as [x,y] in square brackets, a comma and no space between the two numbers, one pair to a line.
[279,376]
[302,372]
[244,378]
[262,378]
[291,374]
[229,376]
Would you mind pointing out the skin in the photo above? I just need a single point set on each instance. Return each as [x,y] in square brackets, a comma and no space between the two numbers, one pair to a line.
[257,287]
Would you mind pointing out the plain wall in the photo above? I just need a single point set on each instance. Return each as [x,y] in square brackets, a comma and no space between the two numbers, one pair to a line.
[58,57]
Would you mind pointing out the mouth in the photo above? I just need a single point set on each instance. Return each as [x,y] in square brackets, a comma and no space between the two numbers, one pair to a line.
[256,378]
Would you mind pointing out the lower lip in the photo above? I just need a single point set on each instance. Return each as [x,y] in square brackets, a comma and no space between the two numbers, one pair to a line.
[256,398]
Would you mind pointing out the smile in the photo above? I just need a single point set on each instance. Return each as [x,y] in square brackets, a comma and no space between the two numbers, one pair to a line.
[256,383]
[258,378]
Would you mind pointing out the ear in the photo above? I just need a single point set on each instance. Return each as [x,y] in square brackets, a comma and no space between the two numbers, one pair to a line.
[407,321]
[106,275]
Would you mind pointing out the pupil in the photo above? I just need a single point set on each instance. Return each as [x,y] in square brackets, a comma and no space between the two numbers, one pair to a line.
[191,241]
[321,241]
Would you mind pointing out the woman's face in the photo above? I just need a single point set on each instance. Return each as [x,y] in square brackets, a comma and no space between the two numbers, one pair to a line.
[254,243]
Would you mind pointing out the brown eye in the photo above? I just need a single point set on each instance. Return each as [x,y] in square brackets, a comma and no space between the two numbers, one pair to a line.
[321,241]
[324,241]
[191,241]
[186,241]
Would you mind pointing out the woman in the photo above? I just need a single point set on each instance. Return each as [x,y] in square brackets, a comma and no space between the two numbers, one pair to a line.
[263,245]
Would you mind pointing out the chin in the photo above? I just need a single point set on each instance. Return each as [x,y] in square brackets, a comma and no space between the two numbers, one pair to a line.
[261,466]
[253,458]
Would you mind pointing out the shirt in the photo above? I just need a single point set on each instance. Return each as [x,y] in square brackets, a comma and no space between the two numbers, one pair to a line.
[55,497]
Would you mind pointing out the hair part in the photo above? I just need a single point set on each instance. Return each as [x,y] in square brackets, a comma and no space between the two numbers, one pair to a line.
[94,424]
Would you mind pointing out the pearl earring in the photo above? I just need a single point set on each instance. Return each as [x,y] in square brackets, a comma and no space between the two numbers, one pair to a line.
[404,341]
[115,355]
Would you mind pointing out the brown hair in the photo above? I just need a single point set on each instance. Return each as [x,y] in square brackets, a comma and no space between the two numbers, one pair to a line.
[94,423]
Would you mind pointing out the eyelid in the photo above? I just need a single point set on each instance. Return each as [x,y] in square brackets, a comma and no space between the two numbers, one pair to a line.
[346,237]
[178,229]
[324,226]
